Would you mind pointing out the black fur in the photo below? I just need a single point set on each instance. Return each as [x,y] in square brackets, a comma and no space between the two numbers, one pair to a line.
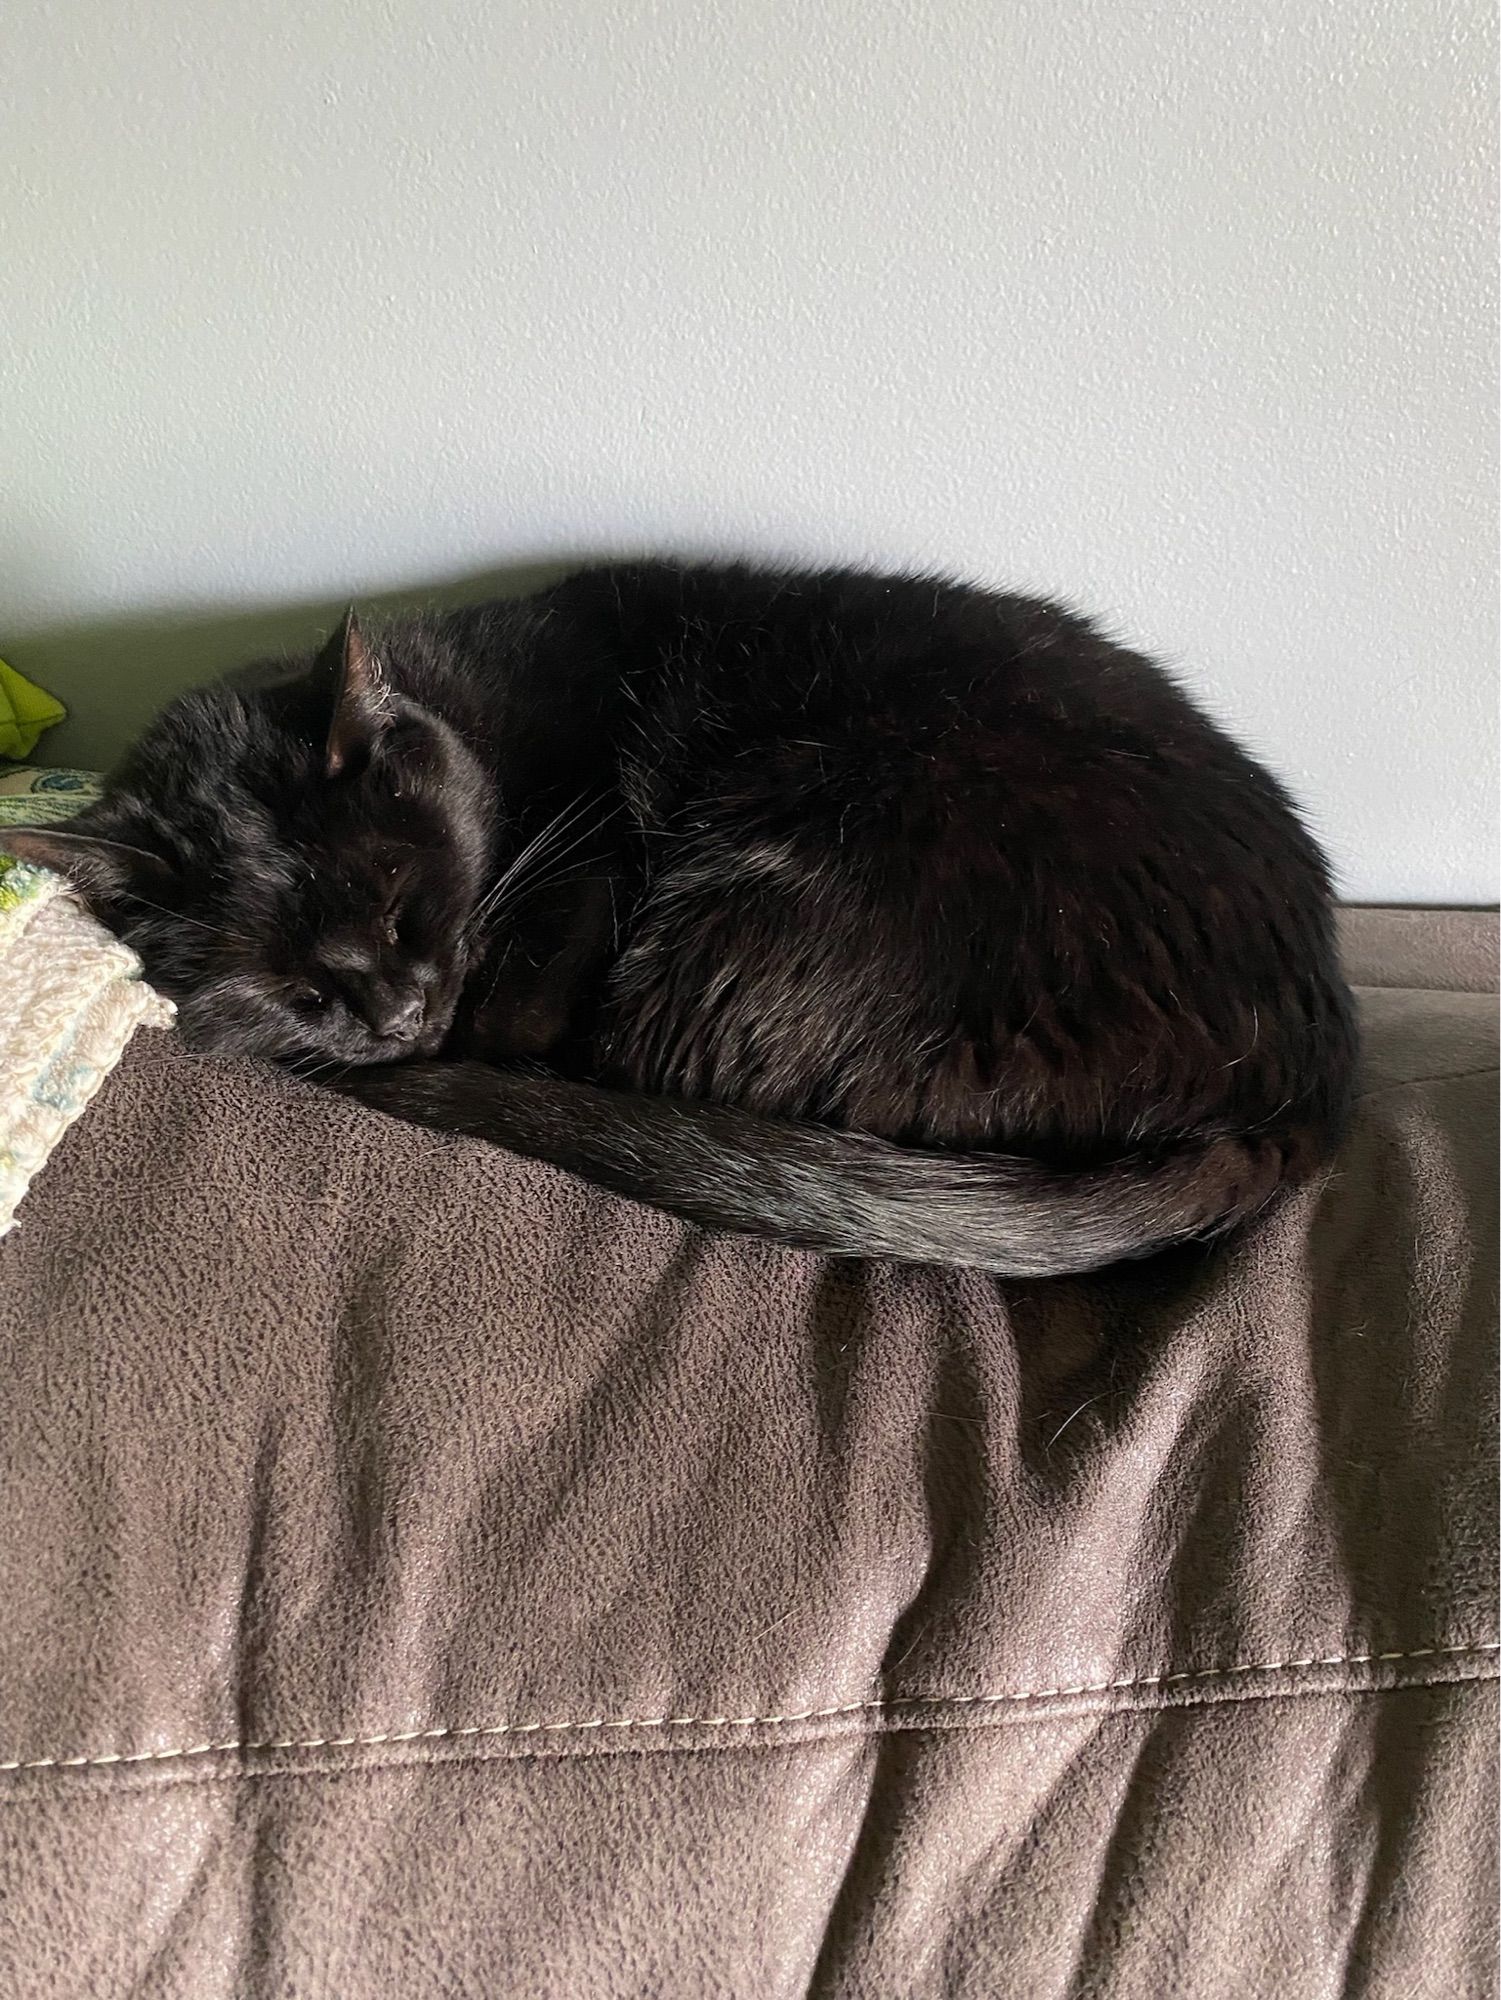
[881,915]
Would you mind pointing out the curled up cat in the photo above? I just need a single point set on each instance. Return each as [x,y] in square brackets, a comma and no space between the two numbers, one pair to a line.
[873,914]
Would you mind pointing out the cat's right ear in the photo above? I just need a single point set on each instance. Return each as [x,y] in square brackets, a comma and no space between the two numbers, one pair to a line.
[354,697]
[102,871]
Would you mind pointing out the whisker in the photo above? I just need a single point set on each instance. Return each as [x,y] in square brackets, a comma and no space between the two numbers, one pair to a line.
[324,1071]
[520,876]
[530,883]
[523,891]
[178,917]
[313,1071]
[572,871]
[521,860]
[565,817]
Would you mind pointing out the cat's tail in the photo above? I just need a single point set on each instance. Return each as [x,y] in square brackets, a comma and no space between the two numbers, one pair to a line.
[843,1193]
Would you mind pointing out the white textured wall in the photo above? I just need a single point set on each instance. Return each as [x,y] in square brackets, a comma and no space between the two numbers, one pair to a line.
[1182,311]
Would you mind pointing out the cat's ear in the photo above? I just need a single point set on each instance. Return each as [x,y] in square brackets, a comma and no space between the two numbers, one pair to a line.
[100,870]
[358,701]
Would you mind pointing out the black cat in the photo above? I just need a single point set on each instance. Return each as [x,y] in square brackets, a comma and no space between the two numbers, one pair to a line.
[879,915]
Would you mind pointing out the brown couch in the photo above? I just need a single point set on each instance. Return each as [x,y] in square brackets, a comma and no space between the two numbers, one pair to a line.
[424,1576]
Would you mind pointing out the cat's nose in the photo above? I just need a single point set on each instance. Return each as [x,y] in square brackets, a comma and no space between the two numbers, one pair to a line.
[397,1014]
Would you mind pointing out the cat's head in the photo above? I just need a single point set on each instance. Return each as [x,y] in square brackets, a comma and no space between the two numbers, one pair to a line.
[296,864]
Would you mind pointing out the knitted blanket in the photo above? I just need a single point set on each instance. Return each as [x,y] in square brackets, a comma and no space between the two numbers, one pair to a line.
[71,996]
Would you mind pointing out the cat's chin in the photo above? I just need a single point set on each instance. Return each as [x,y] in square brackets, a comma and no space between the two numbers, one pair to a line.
[423,1049]
[248,1046]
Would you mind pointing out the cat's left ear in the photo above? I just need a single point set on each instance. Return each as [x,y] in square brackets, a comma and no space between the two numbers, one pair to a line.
[358,698]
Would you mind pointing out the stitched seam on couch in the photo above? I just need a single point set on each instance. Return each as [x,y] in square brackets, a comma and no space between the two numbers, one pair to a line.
[1419,1082]
[893,1705]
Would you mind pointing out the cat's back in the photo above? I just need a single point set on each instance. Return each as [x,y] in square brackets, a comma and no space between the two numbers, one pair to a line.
[912,678]
[844,638]
[901,811]
[718,610]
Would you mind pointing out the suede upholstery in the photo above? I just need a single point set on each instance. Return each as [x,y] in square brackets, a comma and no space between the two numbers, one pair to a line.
[424,1575]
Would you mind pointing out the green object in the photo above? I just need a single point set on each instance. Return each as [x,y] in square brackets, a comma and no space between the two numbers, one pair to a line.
[25,711]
